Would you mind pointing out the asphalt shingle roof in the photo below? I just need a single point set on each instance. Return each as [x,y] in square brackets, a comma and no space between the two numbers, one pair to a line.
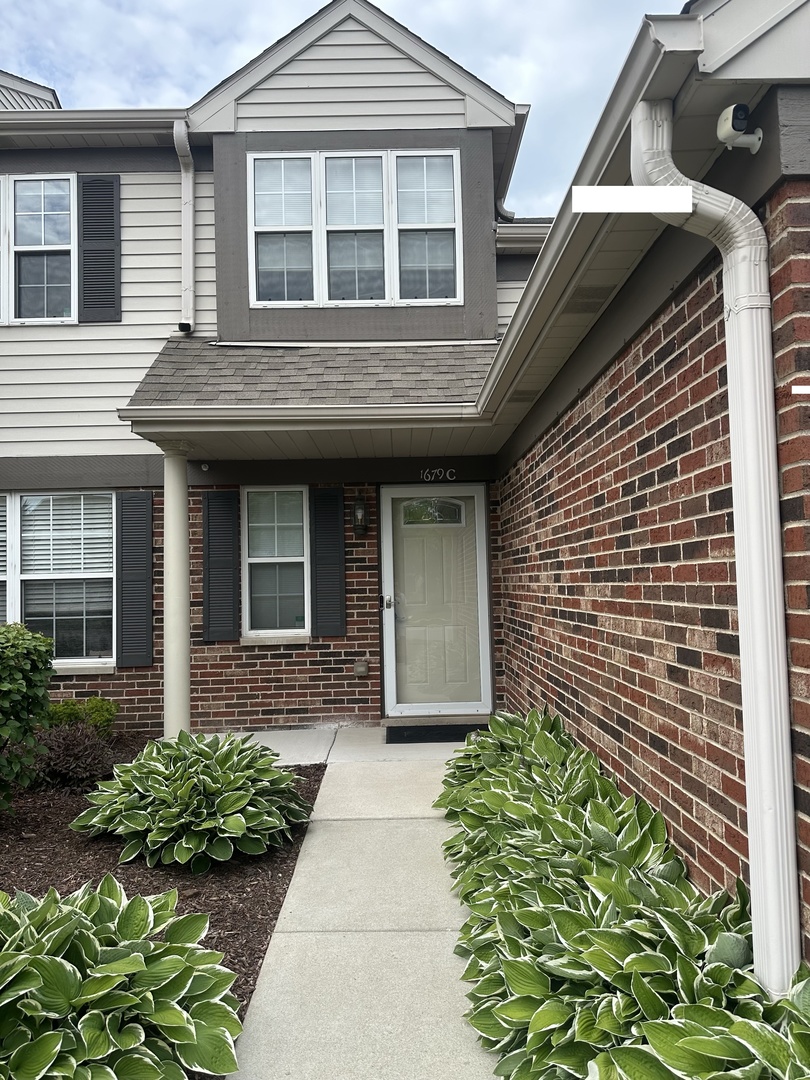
[190,372]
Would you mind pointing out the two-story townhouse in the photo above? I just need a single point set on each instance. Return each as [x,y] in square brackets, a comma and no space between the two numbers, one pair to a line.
[346,498]
[320,548]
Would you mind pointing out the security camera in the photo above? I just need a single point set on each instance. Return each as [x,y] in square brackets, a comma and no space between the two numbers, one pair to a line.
[731,128]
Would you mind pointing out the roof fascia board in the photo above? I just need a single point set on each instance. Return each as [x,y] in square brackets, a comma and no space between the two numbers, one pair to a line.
[512,149]
[67,121]
[664,51]
[202,114]
[712,63]
[206,418]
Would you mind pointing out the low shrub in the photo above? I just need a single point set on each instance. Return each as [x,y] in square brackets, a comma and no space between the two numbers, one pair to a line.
[196,798]
[96,986]
[25,668]
[76,755]
[98,712]
[590,952]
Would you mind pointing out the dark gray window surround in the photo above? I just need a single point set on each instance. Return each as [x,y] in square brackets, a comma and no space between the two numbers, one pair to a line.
[237,321]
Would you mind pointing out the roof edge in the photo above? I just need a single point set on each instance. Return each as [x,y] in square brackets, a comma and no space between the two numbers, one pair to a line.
[678,38]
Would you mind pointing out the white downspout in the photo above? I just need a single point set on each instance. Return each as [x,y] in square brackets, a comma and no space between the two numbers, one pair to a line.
[187,244]
[735,229]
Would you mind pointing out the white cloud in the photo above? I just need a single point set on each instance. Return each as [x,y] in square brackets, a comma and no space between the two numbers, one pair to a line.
[562,59]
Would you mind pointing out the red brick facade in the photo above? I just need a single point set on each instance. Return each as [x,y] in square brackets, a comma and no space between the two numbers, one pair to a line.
[243,686]
[616,565]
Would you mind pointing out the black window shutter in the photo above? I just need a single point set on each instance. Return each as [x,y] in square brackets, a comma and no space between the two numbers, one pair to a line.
[328,570]
[220,565]
[134,578]
[99,249]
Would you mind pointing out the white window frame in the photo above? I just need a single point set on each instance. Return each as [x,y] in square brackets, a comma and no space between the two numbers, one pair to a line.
[14,578]
[390,230]
[8,261]
[292,634]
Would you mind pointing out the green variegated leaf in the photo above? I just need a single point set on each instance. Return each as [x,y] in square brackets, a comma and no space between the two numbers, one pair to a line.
[186,929]
[523,978]
[635,1063]
[517,1011]
[770,1047]
[33,1059]
[61,983]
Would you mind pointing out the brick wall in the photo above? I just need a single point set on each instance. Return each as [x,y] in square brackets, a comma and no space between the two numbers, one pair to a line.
[616,565]
[788,228]
[257,686]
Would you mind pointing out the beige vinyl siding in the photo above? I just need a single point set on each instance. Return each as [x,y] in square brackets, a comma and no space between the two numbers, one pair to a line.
[60,386]
[351,79]
[509,293]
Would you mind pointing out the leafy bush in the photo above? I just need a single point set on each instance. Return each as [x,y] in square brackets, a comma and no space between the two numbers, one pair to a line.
[591,953]
[195,799]
[97,711]
[99,987]
[25,668]
[76,755]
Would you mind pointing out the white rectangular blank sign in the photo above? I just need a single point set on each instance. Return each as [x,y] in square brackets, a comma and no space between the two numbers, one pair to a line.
[632,200]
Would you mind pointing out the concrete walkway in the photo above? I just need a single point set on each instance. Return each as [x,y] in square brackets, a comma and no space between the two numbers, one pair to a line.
[360,981]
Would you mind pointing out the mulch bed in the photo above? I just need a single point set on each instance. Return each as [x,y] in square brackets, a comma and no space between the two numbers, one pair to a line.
[243,896]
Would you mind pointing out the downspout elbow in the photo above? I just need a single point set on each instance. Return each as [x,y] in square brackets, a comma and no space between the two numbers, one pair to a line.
[735,229]
[188,297]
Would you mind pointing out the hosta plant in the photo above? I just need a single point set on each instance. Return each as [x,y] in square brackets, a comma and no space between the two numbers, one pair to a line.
[196,798]
[589,951]
[97,986]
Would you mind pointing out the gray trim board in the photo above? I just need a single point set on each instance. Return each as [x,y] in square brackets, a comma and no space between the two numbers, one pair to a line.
[339,471]
[103,159]
[237,321]
[54,473]
[514,267]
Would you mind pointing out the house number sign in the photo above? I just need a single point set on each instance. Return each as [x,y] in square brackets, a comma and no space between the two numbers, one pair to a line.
[433,475]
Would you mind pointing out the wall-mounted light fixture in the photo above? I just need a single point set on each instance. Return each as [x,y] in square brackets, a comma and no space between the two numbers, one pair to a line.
[360,517]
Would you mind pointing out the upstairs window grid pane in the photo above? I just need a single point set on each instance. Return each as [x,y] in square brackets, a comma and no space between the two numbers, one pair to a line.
[283,192]
[42,213]
[425,192]
[354,191]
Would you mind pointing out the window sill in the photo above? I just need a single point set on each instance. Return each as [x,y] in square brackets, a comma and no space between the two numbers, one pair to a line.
[276,639]
[83,667]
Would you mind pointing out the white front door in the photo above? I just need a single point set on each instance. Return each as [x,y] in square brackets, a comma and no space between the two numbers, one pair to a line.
[435,600]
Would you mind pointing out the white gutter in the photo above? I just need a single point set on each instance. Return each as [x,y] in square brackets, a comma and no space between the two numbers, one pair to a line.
[187,245]
[738,233]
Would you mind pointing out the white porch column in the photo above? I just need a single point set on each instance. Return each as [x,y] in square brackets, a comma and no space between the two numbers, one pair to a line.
[176,595]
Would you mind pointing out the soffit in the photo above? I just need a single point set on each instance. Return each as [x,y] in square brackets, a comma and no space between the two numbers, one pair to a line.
[587,270]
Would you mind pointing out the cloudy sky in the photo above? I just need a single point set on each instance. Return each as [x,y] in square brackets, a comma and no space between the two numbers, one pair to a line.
[560,56]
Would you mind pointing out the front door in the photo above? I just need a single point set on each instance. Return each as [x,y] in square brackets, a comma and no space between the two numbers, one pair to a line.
[435,600]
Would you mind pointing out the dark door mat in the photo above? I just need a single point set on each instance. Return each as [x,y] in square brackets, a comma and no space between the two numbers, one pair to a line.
[431,732]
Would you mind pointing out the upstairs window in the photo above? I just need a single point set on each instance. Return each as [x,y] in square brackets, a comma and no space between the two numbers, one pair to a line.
[365,228]
[60,249]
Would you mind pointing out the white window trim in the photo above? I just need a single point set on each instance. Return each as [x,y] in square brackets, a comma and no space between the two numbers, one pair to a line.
[14,578]
[390,230]
[8,262]
[281,636]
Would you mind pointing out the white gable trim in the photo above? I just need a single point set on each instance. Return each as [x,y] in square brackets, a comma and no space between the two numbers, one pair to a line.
[485,107]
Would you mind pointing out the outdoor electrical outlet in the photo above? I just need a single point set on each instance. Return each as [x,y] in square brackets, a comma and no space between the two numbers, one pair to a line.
[361,668]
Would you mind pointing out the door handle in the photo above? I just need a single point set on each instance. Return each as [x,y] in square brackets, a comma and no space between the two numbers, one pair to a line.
[386,602]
